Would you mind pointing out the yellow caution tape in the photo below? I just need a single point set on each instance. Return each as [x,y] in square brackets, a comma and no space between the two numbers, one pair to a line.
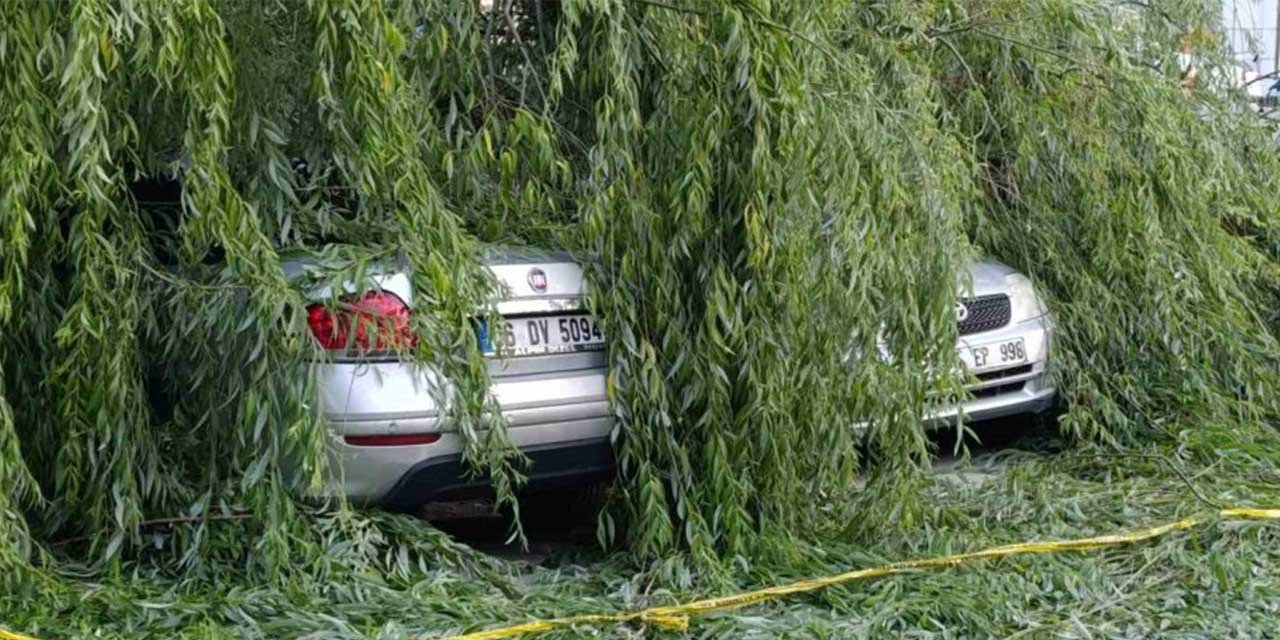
[676,617]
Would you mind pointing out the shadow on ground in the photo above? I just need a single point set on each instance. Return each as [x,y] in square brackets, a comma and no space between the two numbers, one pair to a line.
[992,437]
[477,524]
[570,533]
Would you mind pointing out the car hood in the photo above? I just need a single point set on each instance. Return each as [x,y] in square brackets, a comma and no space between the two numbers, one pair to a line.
[987,277]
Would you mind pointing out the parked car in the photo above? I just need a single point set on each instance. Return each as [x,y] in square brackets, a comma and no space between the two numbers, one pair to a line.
[1005,334]
[550,382]
[551,388]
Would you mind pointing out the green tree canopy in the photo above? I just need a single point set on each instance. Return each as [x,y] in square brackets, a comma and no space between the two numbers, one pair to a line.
[762,192]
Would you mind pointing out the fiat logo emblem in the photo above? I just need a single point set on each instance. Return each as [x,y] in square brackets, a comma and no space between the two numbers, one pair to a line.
[538,279]
[962,312]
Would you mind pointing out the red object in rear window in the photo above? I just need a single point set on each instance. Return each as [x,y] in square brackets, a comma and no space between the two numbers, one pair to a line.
[395,440]
[379,321]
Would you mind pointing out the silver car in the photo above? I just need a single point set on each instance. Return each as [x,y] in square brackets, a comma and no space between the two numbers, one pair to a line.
[550,380]
[550,384]
[1005,334]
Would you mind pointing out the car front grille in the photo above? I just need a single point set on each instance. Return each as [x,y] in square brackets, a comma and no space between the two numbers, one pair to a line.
[985,313]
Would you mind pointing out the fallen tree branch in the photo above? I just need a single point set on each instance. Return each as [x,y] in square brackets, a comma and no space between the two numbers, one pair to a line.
[161,522]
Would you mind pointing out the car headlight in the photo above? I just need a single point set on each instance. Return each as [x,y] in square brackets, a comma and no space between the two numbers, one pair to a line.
[1025,304]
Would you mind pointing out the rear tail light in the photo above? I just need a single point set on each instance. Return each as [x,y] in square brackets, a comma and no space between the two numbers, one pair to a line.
[393,440]
[375,321]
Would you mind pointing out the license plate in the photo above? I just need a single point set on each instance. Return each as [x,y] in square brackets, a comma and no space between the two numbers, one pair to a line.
[541,335]
[994,355]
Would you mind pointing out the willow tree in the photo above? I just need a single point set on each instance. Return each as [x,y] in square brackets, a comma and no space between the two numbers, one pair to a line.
[769,198]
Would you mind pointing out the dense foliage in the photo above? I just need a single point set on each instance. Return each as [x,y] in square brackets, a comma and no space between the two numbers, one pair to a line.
[1213,582]
[763,192]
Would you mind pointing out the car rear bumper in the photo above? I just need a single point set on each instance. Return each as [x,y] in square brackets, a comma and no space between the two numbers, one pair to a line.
[443,477]
[403,474]
[560,419]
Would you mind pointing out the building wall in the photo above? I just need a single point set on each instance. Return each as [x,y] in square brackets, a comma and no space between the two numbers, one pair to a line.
[1251,30]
